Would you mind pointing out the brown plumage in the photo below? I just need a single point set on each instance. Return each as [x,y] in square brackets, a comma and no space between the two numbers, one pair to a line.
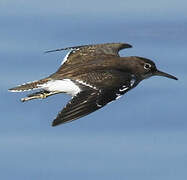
[94,75]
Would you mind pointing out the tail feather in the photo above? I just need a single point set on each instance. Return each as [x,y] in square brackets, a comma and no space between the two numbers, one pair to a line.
[28,86]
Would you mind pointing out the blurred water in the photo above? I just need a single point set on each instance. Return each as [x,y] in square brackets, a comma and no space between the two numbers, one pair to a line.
[140,136]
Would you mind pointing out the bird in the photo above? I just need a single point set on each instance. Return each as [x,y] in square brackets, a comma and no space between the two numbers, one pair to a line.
[94,75]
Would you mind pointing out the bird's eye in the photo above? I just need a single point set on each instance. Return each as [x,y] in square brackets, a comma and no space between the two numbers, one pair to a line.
[147,66]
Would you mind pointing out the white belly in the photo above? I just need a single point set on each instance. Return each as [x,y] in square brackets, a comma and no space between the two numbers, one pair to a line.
[65,86]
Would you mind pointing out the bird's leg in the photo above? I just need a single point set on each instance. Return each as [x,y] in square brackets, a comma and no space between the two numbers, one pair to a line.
[38,95]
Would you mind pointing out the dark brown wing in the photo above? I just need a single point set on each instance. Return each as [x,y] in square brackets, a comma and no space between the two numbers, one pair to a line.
[81,54]
[82,104]
[95,95]
[85,103]
[109,79]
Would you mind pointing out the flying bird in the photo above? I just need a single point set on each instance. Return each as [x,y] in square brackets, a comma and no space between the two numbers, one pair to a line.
[93,75]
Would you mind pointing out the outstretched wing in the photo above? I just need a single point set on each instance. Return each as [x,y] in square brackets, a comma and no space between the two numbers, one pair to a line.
[87,102]
[81,54]
[82,104]
[94,95]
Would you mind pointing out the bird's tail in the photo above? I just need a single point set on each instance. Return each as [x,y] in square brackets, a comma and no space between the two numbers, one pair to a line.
[29,85]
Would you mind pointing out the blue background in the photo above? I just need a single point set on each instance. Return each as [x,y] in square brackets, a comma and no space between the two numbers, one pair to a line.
[140,136]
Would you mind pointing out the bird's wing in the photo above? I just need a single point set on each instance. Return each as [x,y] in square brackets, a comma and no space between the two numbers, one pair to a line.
[106,79]
[81,54]
[82,104]
[93,97]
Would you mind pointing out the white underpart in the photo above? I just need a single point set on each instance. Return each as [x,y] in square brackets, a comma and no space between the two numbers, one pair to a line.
[65,86]
[86,84]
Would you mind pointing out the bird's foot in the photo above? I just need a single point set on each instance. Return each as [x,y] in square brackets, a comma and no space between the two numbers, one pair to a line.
[38,95]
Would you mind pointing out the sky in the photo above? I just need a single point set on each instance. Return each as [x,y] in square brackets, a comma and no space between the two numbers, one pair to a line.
[142,135]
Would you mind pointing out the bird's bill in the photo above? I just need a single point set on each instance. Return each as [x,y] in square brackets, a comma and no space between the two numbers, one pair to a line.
[160,73]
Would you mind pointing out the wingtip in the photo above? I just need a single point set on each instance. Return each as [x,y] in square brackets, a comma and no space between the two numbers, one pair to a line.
[129,46]
[13,90]
[53,124]
[56,123]
[55,50]
[125,45]
[10,90]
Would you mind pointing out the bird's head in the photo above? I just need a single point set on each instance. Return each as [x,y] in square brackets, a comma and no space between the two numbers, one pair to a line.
[147,68]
